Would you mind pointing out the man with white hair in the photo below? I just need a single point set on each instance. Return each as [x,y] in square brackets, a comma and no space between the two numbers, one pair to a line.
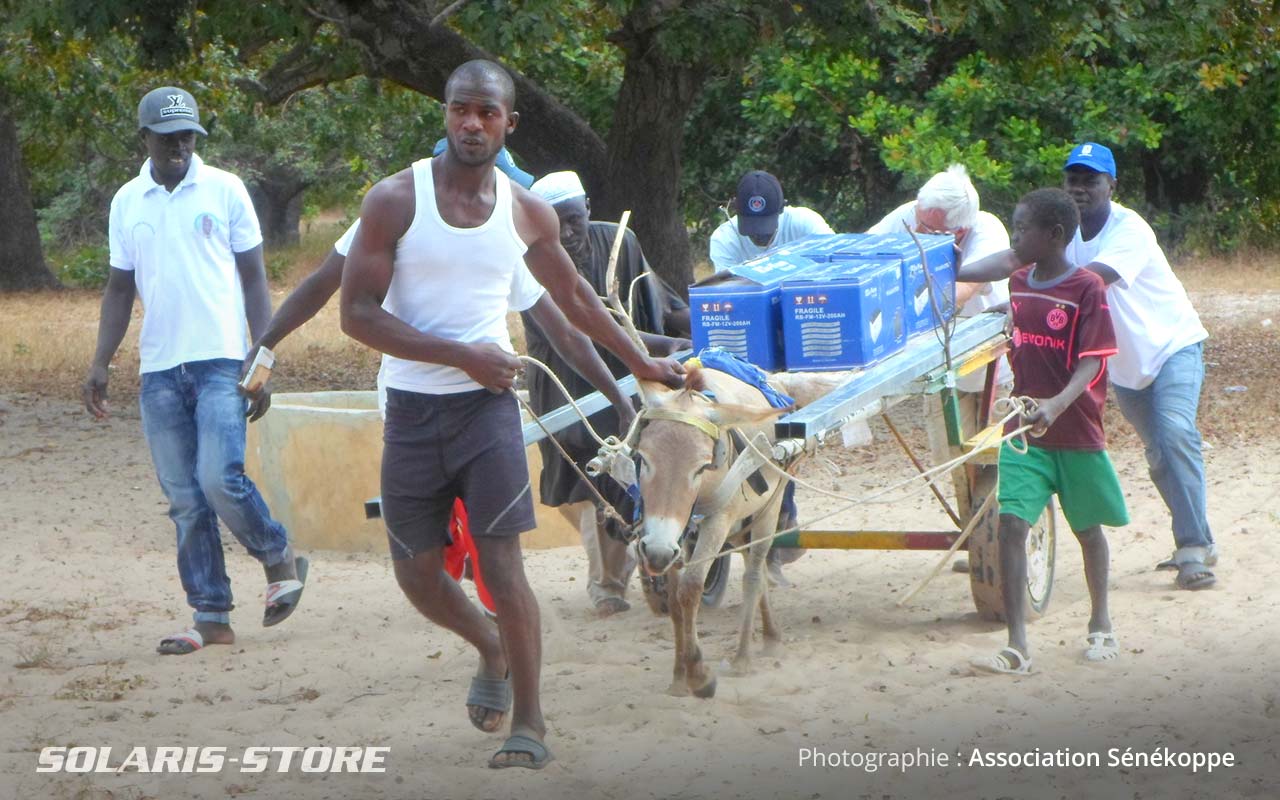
[948,204]
[589,243]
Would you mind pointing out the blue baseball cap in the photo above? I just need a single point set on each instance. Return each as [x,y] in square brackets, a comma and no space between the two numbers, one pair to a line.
[1094,156]
[504,162]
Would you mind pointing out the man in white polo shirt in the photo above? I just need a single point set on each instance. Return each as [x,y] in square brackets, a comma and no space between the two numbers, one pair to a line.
[1159,370]
[185,239]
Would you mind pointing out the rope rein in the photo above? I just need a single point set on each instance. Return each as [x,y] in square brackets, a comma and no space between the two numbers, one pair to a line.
[1016,405]
[1009,407]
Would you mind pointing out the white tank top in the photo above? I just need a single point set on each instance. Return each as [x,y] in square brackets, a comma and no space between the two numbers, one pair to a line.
[453,283]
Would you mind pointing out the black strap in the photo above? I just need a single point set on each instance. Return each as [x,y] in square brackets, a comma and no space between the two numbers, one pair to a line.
[755,480]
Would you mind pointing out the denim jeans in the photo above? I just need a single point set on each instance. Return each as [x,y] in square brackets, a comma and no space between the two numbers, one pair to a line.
[1164,414]
[194,422]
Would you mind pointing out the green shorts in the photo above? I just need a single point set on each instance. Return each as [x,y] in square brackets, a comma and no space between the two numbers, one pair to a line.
[1084,481]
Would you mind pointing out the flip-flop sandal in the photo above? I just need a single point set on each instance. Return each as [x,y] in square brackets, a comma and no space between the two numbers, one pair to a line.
[491,694]
[1193,575]
[1007,662]
[1170,565]
[180,644]
[1102,646]
[283,596]
[537,751]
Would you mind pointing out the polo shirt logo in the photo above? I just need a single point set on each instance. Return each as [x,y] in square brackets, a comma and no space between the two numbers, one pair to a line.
[756,204]
[1056,319]
[206,224]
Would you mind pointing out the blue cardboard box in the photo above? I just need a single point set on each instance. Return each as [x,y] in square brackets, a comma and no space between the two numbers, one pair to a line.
[737,309]
[849,314]
[823,247]
[939,261]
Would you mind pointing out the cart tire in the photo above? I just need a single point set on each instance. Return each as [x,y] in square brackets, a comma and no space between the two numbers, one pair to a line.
[716,582]
[984,560]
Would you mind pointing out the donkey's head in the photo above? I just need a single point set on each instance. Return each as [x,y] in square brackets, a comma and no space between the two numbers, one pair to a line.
[682,447]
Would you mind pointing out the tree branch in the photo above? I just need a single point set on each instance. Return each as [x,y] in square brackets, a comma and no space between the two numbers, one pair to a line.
[447,12]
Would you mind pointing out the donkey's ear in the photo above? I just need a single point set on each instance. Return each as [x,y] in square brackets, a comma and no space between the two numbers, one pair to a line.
[729,415]
[654,394]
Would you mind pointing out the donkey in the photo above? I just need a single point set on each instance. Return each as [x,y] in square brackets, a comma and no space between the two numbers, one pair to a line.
[686,446]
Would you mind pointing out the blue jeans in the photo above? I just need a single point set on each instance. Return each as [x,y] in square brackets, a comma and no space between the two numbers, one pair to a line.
[1164,414]
[194,422]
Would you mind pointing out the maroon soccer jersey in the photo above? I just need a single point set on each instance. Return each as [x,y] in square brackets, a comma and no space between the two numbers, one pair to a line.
[1055,324]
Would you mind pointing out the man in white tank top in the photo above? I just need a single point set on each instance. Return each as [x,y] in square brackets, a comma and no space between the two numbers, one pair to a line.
[439,243]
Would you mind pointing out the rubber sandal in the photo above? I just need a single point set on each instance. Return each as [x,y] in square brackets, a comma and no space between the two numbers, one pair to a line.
[180,644]
[1007,662]
[537,751]
[1170,565]
[491,694]
[1193,575]
[283,596]
[1102,646]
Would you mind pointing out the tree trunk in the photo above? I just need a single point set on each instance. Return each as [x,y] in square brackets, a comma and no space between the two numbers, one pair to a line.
[278,203]
[400,44]
[21,256]
[640,168]
[646,145]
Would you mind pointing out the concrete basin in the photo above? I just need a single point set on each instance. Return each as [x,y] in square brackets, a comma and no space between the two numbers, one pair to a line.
[316,458]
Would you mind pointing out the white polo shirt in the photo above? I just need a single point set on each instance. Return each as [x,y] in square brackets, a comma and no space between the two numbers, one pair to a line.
[986,237]
[181,248]
[729,248]
[1150,310]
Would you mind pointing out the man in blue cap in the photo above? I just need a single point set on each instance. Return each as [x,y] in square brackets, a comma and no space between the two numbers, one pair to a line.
[1159,369]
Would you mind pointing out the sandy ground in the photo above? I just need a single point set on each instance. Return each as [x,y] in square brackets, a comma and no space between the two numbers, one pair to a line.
[90,586]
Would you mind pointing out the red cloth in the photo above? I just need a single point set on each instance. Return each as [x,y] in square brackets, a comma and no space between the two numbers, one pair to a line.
[462,548]
[1054,326]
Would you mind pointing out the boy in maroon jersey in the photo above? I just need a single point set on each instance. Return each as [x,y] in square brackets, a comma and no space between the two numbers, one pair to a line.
[1062,336]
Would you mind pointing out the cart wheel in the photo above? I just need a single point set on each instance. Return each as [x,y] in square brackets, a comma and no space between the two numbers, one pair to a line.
[984,562]
[717,581]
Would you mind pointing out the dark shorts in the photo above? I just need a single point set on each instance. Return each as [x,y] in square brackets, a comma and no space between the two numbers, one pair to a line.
[438,447]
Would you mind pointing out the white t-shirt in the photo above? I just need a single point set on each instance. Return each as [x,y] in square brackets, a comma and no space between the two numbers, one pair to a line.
[730,248]
[986,237]
[181,248]
[1150,310]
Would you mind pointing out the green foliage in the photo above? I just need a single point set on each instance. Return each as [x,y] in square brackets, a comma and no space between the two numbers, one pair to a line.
[853,120]
[853,105]
[84,266]
[76,96]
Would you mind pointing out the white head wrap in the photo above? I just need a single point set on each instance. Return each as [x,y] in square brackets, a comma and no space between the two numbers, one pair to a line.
[557,187]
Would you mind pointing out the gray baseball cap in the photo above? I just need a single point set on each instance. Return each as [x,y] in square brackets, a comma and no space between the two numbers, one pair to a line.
[169,110]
